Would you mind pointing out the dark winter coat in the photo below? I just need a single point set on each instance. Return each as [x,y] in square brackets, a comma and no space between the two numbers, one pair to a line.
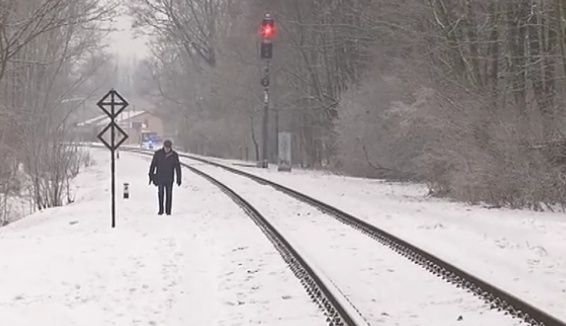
[164,166]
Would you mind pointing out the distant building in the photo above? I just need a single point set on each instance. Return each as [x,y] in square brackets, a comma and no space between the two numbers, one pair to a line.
[137,124]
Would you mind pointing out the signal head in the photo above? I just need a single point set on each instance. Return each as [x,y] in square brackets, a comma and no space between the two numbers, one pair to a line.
[267,30]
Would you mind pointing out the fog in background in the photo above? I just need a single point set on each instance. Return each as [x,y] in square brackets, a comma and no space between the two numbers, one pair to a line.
[465,96]
[125,43]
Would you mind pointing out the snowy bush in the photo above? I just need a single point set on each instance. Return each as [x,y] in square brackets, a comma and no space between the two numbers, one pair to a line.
[457,144]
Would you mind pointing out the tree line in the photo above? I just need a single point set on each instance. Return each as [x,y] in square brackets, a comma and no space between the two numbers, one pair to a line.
[465,95]
[49,52]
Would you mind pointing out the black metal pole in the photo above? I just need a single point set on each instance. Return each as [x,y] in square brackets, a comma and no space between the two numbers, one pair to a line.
[275,155]
[265,146]
[113,187]
[113,167]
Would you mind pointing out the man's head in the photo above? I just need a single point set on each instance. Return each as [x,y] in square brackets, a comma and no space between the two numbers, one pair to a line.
[167,146]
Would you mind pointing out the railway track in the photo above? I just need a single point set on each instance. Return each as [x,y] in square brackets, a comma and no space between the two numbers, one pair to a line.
[496,298]
[335,312]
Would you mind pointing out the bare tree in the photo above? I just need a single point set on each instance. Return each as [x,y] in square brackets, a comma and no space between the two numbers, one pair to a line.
[190,24]
[23,21]
[48,50]
[463,94]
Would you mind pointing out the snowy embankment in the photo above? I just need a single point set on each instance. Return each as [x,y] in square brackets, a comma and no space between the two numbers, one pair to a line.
[208,264]
[520,251]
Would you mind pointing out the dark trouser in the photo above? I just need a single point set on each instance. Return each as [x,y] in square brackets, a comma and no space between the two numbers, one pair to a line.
[165,190]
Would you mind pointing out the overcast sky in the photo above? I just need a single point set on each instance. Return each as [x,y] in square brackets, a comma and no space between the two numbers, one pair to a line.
[123,42]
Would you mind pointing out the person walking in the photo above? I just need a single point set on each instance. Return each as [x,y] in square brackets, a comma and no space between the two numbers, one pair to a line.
[164,167]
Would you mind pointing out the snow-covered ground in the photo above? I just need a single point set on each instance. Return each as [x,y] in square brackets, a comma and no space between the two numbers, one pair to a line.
[208,264]
[520,251]
[384,287]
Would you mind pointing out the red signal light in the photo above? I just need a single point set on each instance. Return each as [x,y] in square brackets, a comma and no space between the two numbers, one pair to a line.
[267,27]
[267,31]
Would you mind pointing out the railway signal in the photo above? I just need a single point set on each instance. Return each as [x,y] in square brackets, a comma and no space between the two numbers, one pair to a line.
[267,32]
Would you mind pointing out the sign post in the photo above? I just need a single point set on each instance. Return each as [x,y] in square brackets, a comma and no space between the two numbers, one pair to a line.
[113,104]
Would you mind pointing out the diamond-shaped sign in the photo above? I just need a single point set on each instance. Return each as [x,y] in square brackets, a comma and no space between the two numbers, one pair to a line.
[112,104]
[119,133]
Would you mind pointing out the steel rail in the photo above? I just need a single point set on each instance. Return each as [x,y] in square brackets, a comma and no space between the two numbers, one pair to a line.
[496,298]
[320,294]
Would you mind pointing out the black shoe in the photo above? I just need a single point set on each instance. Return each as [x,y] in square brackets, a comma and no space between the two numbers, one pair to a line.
[160,213]
[169,214]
